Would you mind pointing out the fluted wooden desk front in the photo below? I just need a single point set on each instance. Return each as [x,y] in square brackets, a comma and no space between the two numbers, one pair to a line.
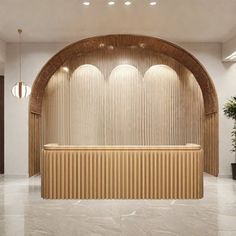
[127,172]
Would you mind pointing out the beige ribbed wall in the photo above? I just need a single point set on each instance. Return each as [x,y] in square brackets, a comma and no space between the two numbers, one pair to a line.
[211,143]
[86,102]
[123,97]
[56,110]
[124,106]
[173,107]
[36,143]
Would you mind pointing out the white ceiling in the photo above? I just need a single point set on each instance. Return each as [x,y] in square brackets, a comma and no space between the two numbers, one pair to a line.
[70,20]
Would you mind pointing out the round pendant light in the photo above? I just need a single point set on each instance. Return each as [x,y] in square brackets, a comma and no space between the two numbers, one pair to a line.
[20,89]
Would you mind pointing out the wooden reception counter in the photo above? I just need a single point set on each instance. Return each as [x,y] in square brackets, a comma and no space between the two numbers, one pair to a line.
[122,172]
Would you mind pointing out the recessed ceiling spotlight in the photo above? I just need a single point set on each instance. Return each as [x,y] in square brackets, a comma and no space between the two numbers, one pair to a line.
[86,3]
[66,69]
[110,3]
[101,45]
[110,47]
[153,3]
[142,45]
[128,3]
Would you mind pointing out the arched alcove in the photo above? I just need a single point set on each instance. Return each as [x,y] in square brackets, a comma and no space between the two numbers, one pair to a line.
[109,45]
[124,103]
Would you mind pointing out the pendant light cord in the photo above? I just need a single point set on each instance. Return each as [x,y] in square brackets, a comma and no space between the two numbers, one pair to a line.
[20,31]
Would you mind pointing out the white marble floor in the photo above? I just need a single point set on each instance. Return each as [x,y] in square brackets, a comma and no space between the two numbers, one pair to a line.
[23,212]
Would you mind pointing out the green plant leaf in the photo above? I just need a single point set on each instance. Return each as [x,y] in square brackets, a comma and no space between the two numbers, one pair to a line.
[229,110]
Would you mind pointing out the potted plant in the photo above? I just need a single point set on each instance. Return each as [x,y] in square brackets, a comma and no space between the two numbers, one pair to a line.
[230,111]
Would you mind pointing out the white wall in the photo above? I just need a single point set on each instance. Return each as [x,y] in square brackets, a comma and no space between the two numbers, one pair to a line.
[228,48]
[2,56]
[36,55]
[224,78]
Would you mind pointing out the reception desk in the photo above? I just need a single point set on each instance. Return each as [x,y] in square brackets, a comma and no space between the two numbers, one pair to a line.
[122,172]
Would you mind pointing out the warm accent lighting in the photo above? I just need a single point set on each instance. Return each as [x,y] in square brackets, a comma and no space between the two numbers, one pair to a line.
[66,69]
[110,47]
[101,45]
[232,56]
[20,89]
[111,3]
[128,3]
[142,45]
[153,3]
[86,3]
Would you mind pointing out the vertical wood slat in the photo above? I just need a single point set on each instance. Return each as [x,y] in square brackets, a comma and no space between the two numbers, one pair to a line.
[122,174]
[211,144]
[155,95]
[34,144]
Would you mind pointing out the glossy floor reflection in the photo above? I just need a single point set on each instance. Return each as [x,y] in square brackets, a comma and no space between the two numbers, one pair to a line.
[23,212]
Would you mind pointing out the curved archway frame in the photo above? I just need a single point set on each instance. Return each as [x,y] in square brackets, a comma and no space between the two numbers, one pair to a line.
[211,160]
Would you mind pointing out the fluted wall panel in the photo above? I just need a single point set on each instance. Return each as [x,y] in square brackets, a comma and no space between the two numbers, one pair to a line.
[113,173]
[87,109]
[124,107]
[118,98]
[35,144]
[128,97]
[174,112]
[211,163]
[109,52]
[56,109]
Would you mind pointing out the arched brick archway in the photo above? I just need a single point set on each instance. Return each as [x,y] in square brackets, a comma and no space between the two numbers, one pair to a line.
[211,165]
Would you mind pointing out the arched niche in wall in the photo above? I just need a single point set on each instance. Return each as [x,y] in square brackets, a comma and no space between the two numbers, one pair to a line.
[74,101]
[147,47]
[124,103]
[86,105]
[174,110]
